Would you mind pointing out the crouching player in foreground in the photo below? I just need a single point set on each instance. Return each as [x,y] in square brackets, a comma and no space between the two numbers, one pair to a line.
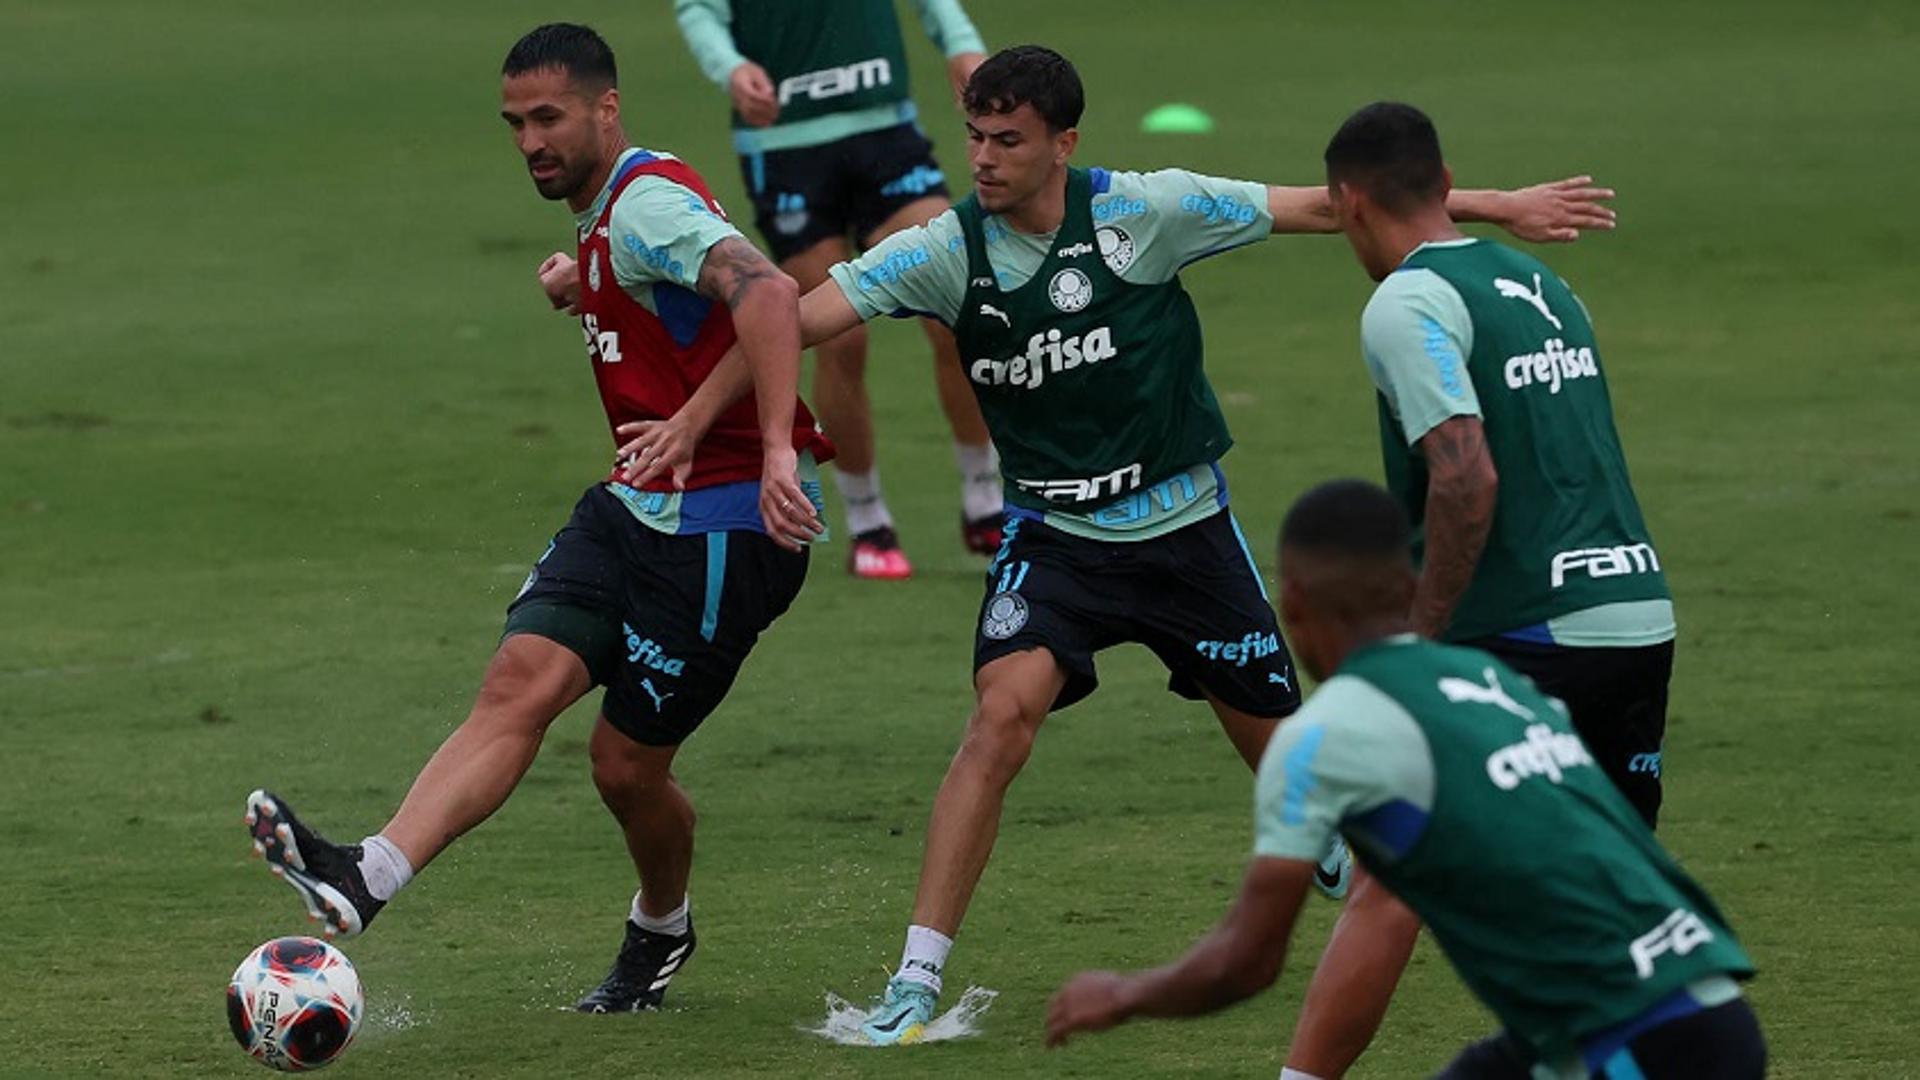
[1463,790]
[656,591]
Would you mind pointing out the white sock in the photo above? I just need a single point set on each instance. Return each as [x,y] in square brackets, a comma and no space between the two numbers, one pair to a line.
[979,480]
[674,924]
[385,869]
[1296,1074]
[866,507]
[924,957]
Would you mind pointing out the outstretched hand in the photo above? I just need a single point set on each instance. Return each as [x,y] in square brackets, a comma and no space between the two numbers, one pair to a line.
[1558,211]
[1090,1001]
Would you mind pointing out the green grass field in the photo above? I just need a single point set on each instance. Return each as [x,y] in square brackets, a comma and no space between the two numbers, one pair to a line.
[283,420]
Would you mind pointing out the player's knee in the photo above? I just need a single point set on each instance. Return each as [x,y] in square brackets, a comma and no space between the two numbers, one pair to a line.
[625,777]
[527,687]
[999,737]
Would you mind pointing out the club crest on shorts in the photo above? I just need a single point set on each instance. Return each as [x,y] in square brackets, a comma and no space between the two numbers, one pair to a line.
[1006,614]
[593,271]
[1070,290]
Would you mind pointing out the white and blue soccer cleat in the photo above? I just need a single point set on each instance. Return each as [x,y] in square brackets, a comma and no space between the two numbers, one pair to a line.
[901,1017]
[1334,873]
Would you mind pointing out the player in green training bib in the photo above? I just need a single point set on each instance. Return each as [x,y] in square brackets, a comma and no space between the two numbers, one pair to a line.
[1465,790]
[1498,439]
[1062,288]
[832,155]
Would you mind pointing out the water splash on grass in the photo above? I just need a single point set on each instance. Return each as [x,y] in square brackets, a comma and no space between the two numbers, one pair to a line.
[842,1023]
[394,1014]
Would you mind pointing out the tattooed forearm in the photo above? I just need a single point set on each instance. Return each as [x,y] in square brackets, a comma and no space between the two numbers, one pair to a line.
[732,269]
[764,304]
[1461,490]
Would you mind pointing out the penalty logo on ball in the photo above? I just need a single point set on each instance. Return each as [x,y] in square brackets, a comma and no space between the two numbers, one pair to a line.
[1006,614]
[1070,290]
[294,1004]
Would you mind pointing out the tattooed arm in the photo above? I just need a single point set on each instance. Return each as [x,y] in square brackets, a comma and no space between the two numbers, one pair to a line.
[1461,489]
[766,318]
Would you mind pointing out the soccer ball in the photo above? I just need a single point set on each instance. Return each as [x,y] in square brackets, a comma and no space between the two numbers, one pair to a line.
[294,1003]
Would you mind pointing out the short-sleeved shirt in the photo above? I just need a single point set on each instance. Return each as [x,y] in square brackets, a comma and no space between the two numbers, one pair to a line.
[660,232]
[1416,334]
[1350,750]
[1537,878]
[1151,226]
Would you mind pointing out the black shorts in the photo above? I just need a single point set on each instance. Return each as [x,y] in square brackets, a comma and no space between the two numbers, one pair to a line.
[1617,699]
[1193,596]
[1721,1043]
[850,186]
[662,621]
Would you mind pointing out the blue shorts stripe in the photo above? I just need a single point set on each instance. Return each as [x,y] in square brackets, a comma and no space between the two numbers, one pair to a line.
[716,580]
[1251,565]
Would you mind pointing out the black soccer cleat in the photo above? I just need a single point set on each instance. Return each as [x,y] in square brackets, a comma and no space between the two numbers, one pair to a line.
[646,964]
[325,874]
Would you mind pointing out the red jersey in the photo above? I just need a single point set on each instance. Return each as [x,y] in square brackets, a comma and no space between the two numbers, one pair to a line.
[647,365]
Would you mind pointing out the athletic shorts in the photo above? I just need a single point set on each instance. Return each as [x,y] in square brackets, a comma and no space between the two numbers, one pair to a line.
[1193,596]
[1721,1043]
[1617,699]
[662,621]
[850,186]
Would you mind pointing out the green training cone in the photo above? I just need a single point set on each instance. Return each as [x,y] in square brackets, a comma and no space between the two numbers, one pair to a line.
[1176,119]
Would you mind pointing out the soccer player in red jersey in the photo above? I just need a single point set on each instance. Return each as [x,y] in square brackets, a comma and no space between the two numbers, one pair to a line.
[658,587]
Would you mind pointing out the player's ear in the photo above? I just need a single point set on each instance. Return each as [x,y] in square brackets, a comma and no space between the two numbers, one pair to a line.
[1446,182]
[609,106]
[1064,144]
[1341,193]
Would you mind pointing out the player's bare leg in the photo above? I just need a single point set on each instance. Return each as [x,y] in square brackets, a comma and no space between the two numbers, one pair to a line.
[636,783]
[1012,697]
[529,681]
[981,511]
[1354,982]
[1249,735]
[840,370]
[840,400]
